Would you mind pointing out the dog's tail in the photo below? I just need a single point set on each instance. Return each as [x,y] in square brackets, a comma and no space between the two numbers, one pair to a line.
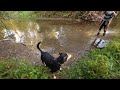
[39,47]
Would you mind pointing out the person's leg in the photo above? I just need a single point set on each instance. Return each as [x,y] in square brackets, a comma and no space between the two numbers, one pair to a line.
[98,33]
[106,27]
[101,26]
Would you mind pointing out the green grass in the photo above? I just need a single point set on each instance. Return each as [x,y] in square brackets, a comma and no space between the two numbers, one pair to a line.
[17,69]
[98,64]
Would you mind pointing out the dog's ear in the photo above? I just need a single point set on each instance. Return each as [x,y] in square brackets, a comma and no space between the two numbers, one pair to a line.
[60,53]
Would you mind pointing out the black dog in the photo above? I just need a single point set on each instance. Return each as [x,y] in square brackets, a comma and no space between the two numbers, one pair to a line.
[51,62]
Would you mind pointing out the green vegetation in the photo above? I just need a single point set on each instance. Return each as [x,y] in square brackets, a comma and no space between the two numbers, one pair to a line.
[98,64]
[61,14]
[15,69]
[25,15]
[18,15]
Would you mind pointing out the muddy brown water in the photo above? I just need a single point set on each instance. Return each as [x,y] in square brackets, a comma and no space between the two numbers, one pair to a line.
[56,36]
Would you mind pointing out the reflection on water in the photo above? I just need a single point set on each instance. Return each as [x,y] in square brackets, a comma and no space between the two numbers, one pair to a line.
[17,36]
[56,36]
[61,36]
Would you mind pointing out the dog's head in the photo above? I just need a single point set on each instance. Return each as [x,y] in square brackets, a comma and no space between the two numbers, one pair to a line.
[62,58]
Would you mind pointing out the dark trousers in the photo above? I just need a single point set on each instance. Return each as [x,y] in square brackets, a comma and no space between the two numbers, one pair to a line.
[104,25]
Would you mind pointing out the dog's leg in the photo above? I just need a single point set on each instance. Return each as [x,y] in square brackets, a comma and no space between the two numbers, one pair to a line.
[60,69]
[43,62]
[54,77]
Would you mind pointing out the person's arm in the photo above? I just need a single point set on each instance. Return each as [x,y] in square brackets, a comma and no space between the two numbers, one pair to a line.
[114,14]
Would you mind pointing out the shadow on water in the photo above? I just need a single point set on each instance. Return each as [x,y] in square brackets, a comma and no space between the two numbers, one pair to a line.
[56,36]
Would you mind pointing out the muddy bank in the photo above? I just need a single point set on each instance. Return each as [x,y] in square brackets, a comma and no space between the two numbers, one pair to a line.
[9,48]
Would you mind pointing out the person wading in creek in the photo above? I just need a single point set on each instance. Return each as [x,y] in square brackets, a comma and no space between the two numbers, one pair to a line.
[106,20]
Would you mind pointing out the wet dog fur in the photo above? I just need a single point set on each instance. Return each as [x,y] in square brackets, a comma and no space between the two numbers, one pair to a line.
[51,62]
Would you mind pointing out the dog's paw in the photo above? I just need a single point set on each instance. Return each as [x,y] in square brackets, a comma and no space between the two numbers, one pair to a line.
[60,69]
[34,62]
[45,64]
[54,77]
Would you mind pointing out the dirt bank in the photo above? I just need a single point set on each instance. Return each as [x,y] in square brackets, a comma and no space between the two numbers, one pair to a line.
[9,48]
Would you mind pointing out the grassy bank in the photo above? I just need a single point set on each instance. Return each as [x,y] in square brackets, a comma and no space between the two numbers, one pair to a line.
[16,69]
[98,64]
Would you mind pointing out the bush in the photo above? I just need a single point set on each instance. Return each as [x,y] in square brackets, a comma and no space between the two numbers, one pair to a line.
[96,69]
